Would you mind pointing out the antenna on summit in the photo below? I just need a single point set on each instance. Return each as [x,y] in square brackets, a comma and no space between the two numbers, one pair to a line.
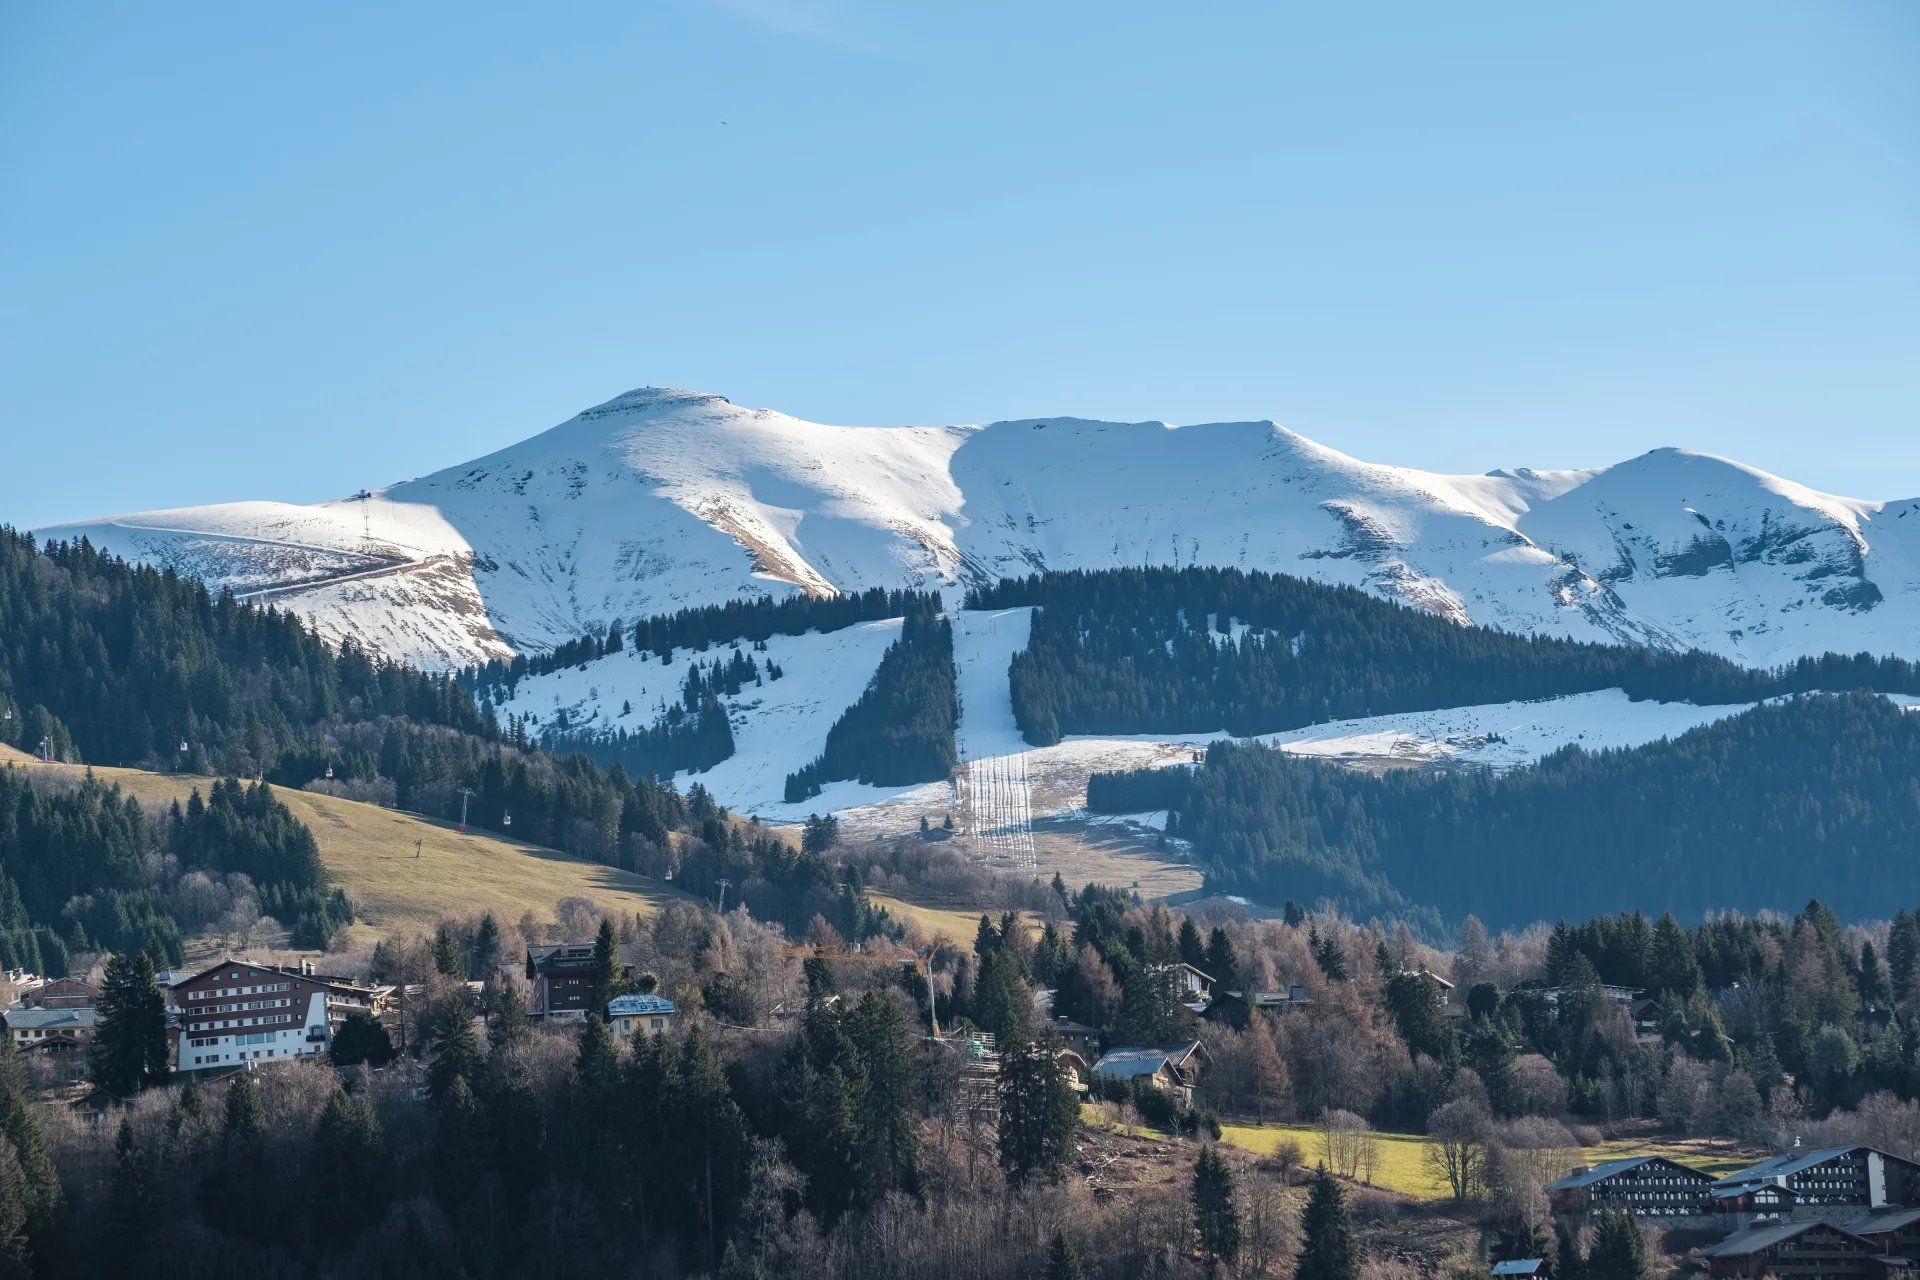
[366,520]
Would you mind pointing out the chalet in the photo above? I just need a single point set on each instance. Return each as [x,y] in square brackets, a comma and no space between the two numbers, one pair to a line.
[1074,1068]
[1645,1186]
[61,993]
[54,1031]
[1859,1177]
[1801,1249]
[1172,1067]
[1195,986]
[1233,1008]
[1440,985]
[238,1011]
[1520,1268]
[648,1014]
[1077,1036]
[562,978]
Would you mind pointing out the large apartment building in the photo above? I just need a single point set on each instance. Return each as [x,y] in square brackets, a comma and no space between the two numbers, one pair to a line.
[238,1012]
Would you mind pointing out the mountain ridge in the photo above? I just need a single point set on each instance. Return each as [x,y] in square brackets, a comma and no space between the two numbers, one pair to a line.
[661,498]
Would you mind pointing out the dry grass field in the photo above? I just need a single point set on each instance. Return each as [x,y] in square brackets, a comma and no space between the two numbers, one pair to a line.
[405,873]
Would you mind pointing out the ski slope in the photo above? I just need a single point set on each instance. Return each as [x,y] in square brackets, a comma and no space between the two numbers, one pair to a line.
[659,499]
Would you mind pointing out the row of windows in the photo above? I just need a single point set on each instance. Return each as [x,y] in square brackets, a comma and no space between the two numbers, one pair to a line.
[223,992]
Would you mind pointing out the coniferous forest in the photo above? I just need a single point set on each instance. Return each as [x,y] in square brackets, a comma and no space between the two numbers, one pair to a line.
[901,729]
[1202,650]
[1817,795]
[115,664]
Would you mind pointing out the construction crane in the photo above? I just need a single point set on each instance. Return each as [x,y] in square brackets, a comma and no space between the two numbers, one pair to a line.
[914,958]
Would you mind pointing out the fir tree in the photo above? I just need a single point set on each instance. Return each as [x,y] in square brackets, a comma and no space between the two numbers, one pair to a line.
[129,1049]
[455,1049]
[1038,1113]
[446,953]
[1618,1252]
[38,1185]
[349,1169]
[1328,1250]
[609,974]
[1215,1216]
[486,950]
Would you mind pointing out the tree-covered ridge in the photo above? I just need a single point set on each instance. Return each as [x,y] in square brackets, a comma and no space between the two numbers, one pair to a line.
[1814,796]
[902,728]
[88,868]
[111,662]
[1198,650]
[119,664]
[700,628]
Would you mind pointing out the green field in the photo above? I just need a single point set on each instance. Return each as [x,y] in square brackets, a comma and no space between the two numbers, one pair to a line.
[1403,1156]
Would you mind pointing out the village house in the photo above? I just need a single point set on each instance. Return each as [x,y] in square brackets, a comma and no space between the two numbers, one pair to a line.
[61,993]
[51,1031]
[562,978]
[1645,1186]
[1233,1008]
[1077,1036]
[1855,1177]
[1174,1068]
[238,1011]
[630,1013]
[1519,1268]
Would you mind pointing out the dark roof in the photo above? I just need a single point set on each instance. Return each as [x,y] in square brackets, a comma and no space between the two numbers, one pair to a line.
[561,956]
[1758,1239]
[1612,1168]
[1785,1166]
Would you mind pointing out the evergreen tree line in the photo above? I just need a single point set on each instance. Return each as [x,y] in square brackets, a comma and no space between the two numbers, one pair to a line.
[86,869]
[1197,650]
[1813,795]
[120,663]
[902,728]
[113,663]
[692,733]
[698,629]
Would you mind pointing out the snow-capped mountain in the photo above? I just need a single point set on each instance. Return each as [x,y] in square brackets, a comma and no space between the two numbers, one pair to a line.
[659,499]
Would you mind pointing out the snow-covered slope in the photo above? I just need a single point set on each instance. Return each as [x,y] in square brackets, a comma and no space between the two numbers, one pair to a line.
[659,499]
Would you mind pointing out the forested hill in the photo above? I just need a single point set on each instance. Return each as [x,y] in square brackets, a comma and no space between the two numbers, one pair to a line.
[1813,796]
[113,664]
[1201,650]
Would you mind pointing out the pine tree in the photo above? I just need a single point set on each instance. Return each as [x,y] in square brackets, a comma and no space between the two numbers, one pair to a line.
[349,1169]
[1063,1262]
[455,1048]
[129,1049]
[609,975]
[1215,1216]
[507,1021]
[1192,950]
[446,953]
[1618,1252]
[1222,961]
[1328,1250]
[487,947]
[1038,1113]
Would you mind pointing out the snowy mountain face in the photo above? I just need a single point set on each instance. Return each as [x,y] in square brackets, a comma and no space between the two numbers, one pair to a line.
[662,499]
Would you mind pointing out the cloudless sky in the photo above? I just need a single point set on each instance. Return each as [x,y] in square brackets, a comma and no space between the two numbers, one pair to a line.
[285,250]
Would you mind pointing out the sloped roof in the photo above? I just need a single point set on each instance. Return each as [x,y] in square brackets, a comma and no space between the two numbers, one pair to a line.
[20,1019]
[1610,1168]
[1143,1060]
[1785,1166]
[1755,1239]
[639,1005]
[1518,1266]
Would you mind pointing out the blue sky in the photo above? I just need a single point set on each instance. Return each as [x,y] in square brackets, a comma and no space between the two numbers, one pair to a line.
[286,250]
